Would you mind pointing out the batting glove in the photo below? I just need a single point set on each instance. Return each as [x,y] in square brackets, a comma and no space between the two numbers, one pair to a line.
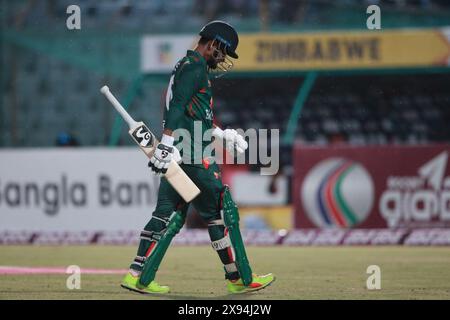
[163,155]
[233,140]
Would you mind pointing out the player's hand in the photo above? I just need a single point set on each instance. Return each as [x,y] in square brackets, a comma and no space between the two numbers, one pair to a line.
[234,140]
[165,152]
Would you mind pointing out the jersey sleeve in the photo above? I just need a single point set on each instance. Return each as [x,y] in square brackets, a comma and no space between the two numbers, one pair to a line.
[186,83]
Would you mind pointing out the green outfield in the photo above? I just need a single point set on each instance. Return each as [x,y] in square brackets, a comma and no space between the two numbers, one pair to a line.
[195,272]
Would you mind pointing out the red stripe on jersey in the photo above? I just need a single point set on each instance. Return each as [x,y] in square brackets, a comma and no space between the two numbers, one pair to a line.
[190,110]
[196,101]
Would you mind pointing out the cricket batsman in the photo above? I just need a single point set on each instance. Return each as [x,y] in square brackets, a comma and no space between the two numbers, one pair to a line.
[188,103]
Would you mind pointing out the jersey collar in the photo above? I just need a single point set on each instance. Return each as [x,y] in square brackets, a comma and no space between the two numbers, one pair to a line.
[196,55]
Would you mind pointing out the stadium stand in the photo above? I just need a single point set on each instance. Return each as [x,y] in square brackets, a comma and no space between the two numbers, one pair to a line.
[56,94]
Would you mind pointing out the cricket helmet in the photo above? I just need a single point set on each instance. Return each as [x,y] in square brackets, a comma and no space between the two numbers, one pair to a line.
[224,33]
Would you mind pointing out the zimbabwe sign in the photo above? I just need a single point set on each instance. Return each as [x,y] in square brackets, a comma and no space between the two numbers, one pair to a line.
[313,51]
[343,50]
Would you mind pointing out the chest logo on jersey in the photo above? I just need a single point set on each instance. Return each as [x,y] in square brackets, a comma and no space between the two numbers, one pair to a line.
[209,114]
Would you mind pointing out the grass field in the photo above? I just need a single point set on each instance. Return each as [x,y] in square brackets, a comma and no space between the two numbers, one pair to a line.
[196,273]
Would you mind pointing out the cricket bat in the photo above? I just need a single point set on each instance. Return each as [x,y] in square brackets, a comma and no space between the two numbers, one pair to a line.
[148,142]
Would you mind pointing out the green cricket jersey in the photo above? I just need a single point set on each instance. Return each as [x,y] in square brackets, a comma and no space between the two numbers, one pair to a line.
[189,103]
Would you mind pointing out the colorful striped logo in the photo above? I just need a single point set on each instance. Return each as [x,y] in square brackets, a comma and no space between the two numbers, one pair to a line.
[337,193]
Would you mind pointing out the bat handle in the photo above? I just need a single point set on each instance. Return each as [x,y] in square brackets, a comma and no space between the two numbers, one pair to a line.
[116,104]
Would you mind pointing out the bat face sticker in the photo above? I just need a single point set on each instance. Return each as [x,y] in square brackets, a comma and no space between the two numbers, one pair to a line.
[143,136]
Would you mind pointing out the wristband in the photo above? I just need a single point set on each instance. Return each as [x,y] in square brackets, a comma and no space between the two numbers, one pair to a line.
[167,140]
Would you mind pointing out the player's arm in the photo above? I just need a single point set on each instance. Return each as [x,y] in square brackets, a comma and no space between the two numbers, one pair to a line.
[184,86]
[180,93]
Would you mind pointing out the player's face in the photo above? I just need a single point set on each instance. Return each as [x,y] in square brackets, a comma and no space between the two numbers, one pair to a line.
[217,58]
[216,55]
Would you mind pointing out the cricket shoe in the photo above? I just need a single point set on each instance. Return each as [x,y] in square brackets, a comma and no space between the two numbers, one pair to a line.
[131,282]
[258,283]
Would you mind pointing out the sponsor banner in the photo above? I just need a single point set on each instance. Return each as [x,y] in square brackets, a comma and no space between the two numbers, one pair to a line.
[428,237]
[161,53]
[118,237]
[375,236]
[262,238]
[69,238]
[200,237]
[343,50]
[251,237]
[372,187]
[446,34]
[75,189]
[192,237]
[314,50]
[16,237]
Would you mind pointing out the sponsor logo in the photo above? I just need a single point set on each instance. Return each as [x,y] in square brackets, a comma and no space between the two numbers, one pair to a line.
[143,136]
[209,113]
[164,154]
[164,53]
[421,200]
[337,192]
